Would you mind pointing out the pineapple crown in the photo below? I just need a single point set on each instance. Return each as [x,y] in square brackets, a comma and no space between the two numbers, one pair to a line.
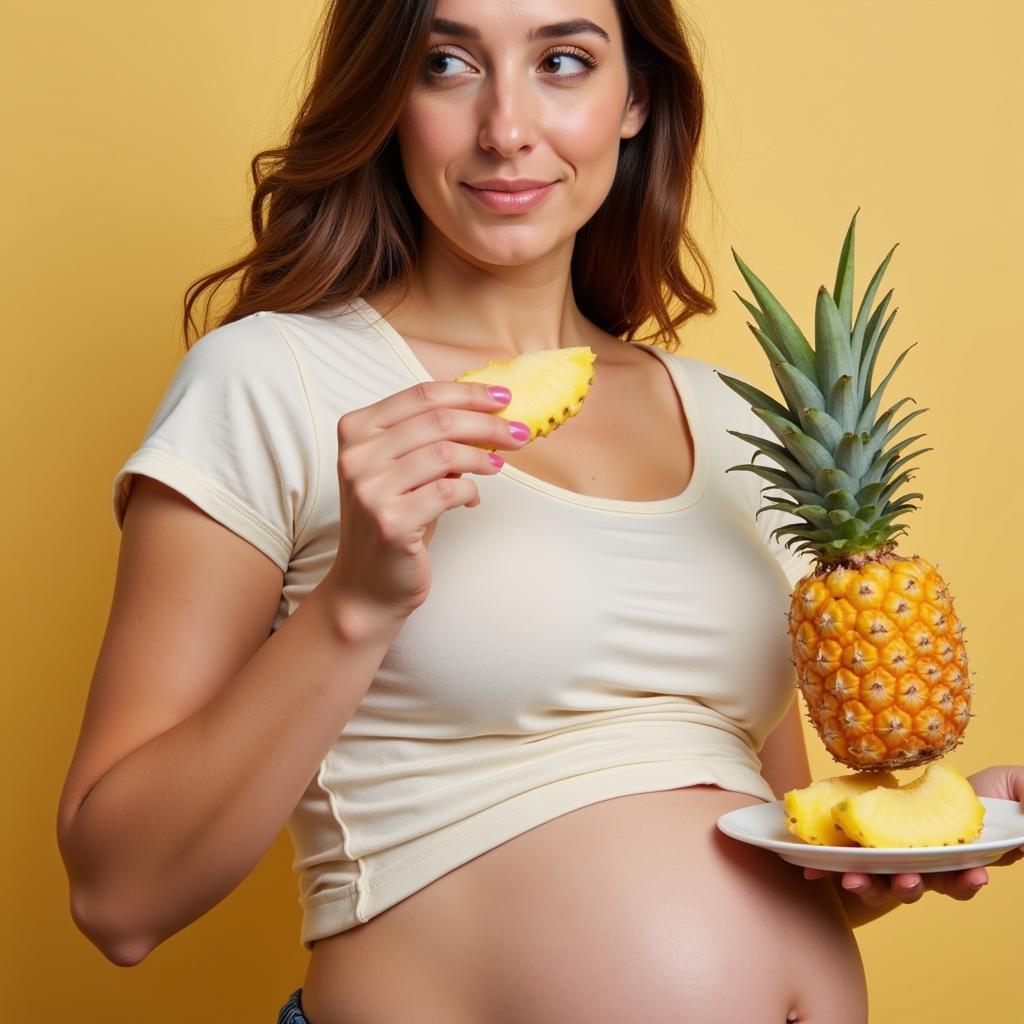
[835,460]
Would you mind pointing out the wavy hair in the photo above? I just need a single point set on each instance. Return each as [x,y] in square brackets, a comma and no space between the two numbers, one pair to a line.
[333,217]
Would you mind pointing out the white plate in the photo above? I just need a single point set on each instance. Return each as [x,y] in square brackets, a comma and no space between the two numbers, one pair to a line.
[763,825]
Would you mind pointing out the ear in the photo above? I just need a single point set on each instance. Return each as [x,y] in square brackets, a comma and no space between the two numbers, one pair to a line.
[637,107]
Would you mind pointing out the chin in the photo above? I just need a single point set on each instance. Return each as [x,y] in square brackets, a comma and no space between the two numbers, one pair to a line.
[507,252]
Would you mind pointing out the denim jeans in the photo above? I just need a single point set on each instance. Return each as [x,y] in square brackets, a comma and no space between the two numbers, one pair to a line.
[291,1012]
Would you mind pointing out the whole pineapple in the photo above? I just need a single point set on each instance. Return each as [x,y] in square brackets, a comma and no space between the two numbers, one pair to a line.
[878,648]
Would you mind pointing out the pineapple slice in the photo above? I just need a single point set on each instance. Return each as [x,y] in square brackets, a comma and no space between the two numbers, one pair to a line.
[939,808]
[809,810]
[547,387]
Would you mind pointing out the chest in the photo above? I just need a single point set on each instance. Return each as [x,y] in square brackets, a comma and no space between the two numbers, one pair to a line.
[631,441]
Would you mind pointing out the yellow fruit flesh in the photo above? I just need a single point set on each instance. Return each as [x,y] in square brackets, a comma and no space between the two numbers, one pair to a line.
[940,808]
[881,662]
[808,811]
[547,387]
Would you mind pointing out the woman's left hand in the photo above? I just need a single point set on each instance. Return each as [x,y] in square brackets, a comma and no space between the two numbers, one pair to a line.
[1004,782]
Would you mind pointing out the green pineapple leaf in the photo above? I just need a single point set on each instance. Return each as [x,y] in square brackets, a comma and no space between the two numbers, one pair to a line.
[867,417]
[832,352]
[857,340]
[776,477]
[879,443]
[822,427]
[842,402]
[864,386]
[843,293]
[815,514]
[799,390]
[873,327]
[834,479]
[841,499]
[762,320]
[753,395]
[851,455]
[870,493]
[777,454]
[791,338]
[811,455]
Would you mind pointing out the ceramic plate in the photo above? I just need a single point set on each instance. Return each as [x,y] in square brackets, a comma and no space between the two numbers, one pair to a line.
[762,825]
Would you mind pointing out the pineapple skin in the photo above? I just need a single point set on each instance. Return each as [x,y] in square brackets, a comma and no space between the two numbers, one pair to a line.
[808,811]
[940,808]
[881,661]
[547,387]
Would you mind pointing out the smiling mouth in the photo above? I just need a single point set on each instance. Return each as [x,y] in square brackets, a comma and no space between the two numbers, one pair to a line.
[510,201]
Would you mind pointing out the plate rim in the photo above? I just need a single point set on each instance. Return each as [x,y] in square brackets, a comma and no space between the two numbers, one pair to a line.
[871,851]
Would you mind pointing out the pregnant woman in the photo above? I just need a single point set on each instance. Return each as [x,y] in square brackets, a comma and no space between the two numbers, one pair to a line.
[499,703]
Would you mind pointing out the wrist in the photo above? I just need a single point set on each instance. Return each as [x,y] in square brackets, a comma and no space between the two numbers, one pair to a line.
[355,620]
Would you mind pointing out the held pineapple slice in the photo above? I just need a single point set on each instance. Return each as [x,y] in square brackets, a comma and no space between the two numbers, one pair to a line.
[808,811]
[878,648]
[547,387]
[938,809]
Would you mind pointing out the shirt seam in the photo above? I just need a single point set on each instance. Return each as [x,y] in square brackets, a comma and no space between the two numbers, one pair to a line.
[306,520]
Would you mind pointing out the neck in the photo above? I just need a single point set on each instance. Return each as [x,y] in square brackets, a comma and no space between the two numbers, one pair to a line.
[501,310]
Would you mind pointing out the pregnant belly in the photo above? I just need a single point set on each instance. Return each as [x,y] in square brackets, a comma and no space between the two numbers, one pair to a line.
[634,910]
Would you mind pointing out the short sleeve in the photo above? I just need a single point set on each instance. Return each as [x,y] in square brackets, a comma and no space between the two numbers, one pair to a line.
[234,433]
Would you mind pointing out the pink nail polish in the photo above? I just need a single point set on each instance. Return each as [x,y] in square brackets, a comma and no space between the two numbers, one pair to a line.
[520,431]
[496,459]
[500,394]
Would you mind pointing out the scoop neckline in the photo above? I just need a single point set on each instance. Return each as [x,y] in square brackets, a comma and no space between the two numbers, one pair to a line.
[687,497]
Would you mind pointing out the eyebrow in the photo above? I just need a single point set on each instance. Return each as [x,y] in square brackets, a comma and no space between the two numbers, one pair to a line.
[575,26]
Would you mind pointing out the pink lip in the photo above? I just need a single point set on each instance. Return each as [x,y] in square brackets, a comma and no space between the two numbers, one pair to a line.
[503,199]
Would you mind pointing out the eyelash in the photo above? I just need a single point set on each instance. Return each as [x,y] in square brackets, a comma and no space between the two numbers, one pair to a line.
[569,51]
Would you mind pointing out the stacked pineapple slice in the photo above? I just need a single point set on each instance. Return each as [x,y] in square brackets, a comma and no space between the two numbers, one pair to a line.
[877,645]
[939,808]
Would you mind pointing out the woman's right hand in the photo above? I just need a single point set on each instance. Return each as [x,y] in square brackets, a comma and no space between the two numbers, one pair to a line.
[400,462]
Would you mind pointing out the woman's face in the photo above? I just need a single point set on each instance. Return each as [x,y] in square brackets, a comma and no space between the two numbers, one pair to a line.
[492,102]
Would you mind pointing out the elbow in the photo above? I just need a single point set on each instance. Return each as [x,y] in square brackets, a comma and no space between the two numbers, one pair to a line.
[108,931]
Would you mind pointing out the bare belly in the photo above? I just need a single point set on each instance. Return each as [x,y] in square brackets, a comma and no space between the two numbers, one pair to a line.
[634,910]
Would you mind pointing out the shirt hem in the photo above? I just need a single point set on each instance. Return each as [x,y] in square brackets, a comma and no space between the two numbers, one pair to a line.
[332,912]
[213,500]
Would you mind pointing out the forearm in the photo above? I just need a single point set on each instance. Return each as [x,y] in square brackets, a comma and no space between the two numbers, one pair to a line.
[173,828]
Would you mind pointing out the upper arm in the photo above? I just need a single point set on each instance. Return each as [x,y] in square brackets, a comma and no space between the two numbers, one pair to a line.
[784,763]
[192,603]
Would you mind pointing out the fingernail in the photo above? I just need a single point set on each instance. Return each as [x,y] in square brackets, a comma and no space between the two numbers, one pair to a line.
[854,886]
[975,886]
[520,431]
[500,394]
[496,459]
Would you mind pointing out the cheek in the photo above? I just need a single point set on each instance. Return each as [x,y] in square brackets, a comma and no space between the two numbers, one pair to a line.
[587,138]
[430,139]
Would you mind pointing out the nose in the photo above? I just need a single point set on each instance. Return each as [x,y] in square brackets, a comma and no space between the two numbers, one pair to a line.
[508,115]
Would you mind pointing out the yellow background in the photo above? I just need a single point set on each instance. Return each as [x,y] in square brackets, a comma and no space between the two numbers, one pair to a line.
[129,128]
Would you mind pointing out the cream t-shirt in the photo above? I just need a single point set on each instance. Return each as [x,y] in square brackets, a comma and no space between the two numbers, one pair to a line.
[572,648]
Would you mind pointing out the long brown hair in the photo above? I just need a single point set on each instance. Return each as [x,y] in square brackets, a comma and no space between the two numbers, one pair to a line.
[341,221]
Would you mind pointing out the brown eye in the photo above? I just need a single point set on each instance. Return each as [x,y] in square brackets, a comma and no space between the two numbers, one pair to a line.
[559,59]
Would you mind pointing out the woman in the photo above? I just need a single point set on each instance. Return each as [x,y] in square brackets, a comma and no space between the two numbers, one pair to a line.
[500,706]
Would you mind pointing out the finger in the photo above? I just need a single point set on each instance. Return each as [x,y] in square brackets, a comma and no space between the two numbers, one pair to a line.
[908,887]
[428,463]
[431,395]
[444,428]
[962,885]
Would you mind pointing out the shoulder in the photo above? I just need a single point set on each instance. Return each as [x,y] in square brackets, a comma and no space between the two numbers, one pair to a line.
[243,346]
[269,341]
